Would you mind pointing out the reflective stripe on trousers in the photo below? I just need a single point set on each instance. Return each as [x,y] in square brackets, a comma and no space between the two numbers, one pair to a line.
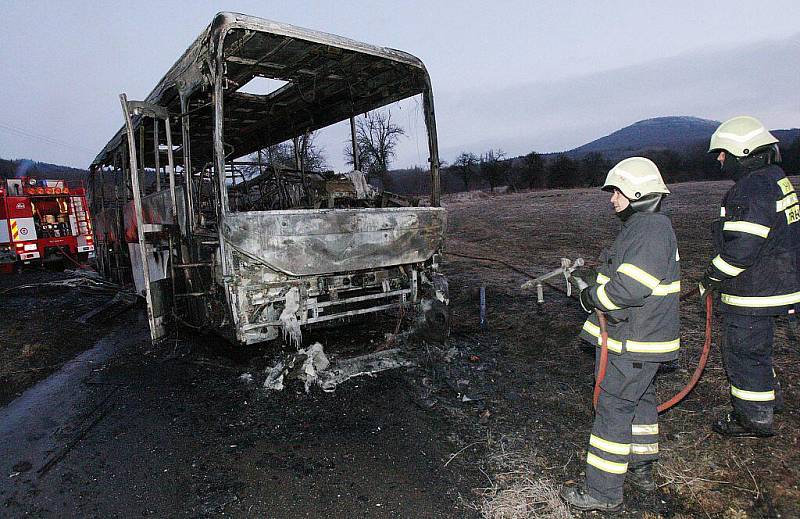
[627,405]
[747,355]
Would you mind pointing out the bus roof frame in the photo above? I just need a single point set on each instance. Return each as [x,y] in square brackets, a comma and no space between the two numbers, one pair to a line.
[402,75]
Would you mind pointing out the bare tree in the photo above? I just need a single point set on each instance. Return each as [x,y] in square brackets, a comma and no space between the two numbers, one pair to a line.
[282,156]
[377,138]
[466,165]
[312,155]
[493,168]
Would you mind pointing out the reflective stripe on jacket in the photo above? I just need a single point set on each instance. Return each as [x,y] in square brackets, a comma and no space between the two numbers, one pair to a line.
[757,245]
[639,288]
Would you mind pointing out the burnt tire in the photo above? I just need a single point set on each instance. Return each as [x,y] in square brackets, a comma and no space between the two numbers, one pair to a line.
[433,323]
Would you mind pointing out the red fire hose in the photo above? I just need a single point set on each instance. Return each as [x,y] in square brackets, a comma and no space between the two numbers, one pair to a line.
[67,256]
[601,370]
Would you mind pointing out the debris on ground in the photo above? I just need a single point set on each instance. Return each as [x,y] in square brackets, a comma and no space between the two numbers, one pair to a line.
[275,376]
[363,365]
[81,279]
[246,378]
[304,365]
[315,362]
[451,354]
[121,302]
[312,367]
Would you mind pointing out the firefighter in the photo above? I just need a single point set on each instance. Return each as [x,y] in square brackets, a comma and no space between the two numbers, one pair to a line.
[755,269]
[637,286]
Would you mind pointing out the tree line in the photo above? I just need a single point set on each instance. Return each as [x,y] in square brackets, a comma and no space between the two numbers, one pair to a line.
[29,168]
[492,169]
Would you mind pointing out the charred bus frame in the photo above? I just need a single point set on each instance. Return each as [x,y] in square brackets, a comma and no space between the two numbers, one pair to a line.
[288,247]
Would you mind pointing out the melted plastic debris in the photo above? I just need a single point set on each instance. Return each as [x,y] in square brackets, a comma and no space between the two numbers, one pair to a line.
[275,376]
[315,363]
[369,364]
[288,318]
[312,367]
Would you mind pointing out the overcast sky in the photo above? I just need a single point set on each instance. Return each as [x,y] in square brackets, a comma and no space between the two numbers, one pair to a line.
[517,75]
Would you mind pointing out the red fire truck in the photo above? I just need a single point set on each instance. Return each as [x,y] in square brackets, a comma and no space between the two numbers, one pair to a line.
[42,221]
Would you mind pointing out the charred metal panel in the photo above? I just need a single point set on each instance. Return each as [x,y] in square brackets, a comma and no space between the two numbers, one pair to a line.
[156,209]
[302,243]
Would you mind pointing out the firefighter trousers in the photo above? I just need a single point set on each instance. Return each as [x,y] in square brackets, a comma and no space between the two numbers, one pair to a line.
[747,356]
[625,429]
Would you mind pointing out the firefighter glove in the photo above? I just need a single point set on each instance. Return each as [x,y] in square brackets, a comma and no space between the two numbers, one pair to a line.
[709,282]
[586,300]
[587,275]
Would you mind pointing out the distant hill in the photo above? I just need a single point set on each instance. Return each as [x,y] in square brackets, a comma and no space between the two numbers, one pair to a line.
[29,168]
[678,145]
[680,134]
[676,133]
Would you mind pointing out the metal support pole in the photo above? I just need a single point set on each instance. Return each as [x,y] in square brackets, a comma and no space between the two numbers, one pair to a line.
[433,145]
[142,174]
[296,147]
[157,155]
[354,142]
[187,165]
[217,78]
[137,209]
[171,171]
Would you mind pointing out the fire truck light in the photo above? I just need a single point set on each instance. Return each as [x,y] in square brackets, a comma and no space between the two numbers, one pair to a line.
[19,245]
[58,190]
[66,190]
[39,190]
[30,246]
[32,181]
[30,191]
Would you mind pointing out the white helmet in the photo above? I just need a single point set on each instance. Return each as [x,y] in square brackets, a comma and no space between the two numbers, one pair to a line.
[740,136]
[635,177]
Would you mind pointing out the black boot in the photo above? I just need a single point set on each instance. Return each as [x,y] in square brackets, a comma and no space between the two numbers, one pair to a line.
[729,425]
[576,496]
[641,476]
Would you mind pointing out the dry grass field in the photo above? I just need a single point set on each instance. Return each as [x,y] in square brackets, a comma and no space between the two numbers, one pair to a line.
[541,410]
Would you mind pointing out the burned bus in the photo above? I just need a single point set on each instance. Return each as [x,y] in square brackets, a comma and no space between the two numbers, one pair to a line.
[191,208]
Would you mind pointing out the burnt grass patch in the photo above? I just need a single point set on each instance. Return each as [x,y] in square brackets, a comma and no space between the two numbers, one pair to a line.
[38,327]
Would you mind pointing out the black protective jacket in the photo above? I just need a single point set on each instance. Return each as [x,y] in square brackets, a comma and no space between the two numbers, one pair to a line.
[638,288]
[757,242]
